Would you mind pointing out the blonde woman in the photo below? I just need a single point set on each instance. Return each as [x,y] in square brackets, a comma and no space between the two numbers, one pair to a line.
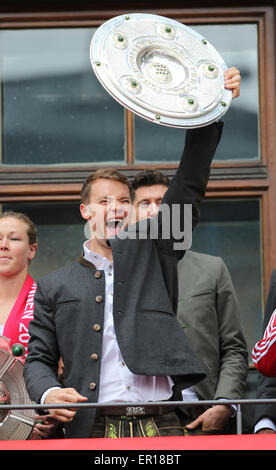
[18,246]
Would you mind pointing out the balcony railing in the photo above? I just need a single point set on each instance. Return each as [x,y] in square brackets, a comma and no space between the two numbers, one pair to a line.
[237,403]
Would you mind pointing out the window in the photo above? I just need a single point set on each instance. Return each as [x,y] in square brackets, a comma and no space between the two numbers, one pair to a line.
[238,45]
[231,229]
[54,111]
[60,230]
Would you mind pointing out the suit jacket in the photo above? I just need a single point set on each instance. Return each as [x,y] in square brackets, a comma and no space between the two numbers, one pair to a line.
[69,303]
[267,385]
[209,313]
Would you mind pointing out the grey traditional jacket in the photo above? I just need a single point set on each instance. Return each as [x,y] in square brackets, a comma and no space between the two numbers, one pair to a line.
[69,304]
[209,314]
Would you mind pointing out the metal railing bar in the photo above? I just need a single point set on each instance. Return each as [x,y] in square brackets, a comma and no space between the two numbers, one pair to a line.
[132,404]
[239,419]
[239,403]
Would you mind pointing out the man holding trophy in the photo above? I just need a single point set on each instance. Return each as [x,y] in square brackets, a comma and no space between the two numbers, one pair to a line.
[111,314]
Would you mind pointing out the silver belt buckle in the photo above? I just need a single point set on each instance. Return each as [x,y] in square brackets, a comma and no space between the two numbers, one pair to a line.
[135,410]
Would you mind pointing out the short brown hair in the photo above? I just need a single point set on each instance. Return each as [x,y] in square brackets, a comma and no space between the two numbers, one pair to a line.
[31,228]
[149,177]
[103,173]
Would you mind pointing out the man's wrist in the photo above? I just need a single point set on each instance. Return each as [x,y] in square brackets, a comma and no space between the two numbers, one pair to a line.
[45,394]
[265,423]
[233,408]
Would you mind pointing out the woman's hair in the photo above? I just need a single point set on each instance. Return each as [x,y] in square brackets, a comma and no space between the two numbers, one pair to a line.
[31,228]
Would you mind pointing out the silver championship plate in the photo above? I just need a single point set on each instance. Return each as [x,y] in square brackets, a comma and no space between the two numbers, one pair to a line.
[161,70]
[14,425]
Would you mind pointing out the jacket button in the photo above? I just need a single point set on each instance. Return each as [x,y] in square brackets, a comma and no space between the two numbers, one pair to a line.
[97,274]
[94,356]
[92,386]
[97,327]
[99,299]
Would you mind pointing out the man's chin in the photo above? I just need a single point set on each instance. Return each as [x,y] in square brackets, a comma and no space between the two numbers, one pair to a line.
[111,234]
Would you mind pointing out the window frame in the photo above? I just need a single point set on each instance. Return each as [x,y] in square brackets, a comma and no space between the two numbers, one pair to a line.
[227,180]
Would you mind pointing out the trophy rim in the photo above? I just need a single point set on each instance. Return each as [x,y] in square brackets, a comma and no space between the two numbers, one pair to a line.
[147,108]
[14,424]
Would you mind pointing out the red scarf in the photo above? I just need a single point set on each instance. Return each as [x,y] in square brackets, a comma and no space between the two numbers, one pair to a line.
[16,326]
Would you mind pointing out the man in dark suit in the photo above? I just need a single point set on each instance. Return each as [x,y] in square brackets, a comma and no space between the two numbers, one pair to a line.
[209,314]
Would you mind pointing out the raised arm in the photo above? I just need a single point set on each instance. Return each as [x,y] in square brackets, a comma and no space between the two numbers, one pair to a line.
[189,184]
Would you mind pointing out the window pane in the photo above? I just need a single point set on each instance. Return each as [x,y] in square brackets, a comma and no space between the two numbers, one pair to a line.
[60,234]
[54,111]
[231,230]
[238,45]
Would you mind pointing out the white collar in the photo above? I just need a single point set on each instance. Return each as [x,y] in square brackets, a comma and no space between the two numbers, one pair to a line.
[100,262]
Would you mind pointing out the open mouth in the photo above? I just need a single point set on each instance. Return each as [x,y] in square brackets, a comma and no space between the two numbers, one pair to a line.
[114,226]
